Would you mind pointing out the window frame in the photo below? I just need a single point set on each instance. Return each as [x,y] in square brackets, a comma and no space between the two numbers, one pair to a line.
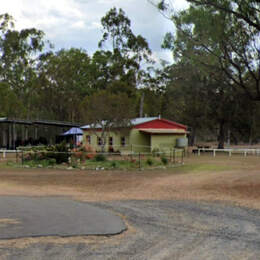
[111,141]
[99,141]
[123,141]
[88,139]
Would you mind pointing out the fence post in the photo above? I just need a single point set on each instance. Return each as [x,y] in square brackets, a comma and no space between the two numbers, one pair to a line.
[139,161]
[174,156]
[214,153]
[182,156]
[16,156]
[230,153]
[22,157]
[198,151]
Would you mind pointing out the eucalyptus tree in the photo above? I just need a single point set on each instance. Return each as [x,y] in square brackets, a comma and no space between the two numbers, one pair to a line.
[64,80]
[19,51]
[126,51]
[10,104]
[210,109]
[107,112]
[227,31]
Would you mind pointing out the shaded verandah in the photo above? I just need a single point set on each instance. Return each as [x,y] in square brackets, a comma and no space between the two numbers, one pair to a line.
[19,132]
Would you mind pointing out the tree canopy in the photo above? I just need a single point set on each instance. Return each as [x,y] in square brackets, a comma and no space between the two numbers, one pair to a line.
[213,86]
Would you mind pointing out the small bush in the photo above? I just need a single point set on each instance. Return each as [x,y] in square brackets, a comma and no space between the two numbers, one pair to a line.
[100,158]
[114,164]
[156,152]
[52,161]
[164,160]
[149,161]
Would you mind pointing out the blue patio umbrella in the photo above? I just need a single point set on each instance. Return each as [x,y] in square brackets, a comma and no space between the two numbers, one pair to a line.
[74,131]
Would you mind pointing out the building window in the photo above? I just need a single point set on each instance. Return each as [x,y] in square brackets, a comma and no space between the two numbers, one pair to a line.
[88,138]
[111,140]
[123,141]
[99,141]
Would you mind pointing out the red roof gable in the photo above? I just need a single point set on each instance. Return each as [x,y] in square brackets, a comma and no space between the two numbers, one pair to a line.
[161,124]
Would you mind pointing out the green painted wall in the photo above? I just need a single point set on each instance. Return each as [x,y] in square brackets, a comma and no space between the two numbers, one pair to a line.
[140,142]
[135,141]
[164,142]
[116,140]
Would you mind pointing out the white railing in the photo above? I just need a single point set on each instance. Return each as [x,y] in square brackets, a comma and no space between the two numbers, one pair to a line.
[230,151]
[4,152]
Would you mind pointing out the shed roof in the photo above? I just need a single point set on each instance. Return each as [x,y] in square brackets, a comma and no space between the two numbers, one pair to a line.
[37,122]
[147,123]
[163,131]
[133,122]
[141,120]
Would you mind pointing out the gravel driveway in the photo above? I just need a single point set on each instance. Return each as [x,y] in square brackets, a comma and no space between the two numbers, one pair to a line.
[162,230]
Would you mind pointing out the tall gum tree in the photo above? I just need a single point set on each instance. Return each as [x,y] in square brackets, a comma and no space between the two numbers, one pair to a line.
[127,51]
[236,49]
[19,52]
[65,78]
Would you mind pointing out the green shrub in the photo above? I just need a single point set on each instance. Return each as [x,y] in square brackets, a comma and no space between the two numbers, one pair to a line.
[100,158]
[156,152]
[149,161]
[164,160]
[58,153]
[114,164]
[52,161]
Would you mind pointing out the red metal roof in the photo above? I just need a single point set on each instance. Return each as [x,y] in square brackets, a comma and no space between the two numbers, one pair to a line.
[160,124]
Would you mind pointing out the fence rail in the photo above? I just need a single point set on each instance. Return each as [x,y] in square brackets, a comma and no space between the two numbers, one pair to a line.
[230,151]
[135,159]
[4,152]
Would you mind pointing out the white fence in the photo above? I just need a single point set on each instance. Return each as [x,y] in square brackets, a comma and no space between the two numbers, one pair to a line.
[230,151]
[4,152]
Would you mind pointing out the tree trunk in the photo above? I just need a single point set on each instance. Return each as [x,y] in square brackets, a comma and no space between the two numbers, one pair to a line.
[228,137]
[221,135]
[252,127]
[192,138]
[141,106]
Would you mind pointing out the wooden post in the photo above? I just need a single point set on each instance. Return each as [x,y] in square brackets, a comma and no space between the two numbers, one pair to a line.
[35,132]
[9,136]
[131,152]
[14,137]
[5,140]
[214,152]
[26,133]
[22,157]
[139,161]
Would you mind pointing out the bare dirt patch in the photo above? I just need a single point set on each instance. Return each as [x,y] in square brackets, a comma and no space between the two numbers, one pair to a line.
[235,180]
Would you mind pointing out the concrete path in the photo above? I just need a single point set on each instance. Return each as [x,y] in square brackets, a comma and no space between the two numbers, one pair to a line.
[53,216]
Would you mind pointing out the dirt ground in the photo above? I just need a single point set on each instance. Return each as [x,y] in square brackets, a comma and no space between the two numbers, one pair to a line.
[228,179]
[170,213]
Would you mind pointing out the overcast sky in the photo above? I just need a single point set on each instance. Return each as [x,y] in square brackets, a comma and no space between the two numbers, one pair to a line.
[76,23]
